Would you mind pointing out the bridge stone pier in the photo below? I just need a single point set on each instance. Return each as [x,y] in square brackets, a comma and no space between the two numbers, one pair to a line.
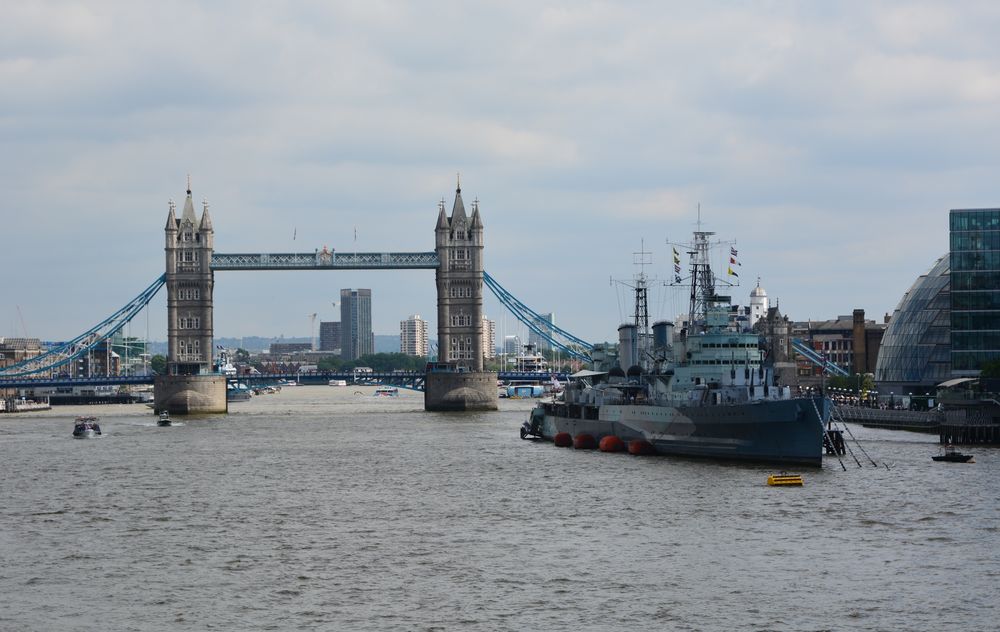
[457,382]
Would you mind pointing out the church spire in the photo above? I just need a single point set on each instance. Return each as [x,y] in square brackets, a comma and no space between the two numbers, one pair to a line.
[206,221]
[476,220]
[171,217]
[458,210]
[188,213]
[442,223]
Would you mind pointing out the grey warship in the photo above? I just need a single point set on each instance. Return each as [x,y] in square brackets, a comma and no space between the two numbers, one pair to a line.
[704,391]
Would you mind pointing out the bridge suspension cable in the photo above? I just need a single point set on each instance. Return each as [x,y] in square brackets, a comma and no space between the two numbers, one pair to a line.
[68,351]
[575,347]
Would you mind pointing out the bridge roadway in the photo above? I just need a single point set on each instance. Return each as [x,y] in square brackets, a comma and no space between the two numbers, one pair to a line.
[409,379]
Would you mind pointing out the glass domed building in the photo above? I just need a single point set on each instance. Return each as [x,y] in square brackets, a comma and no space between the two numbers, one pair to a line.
[916,350]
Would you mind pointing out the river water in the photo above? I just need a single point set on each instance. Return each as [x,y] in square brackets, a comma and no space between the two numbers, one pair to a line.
[319,508]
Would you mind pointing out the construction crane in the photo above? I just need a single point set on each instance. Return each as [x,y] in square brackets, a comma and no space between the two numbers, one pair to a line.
[20,316]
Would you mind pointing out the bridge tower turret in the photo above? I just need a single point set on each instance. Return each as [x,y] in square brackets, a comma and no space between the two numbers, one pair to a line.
[458,242]
[459,245]
[190,385]
[189,290]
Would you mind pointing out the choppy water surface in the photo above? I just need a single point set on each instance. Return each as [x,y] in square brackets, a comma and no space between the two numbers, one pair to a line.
[317,508]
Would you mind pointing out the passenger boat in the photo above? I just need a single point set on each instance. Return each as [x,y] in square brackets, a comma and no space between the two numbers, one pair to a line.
[164,419]
[86,428]
[951,455]
[523,390]
[707,391]
[386,391]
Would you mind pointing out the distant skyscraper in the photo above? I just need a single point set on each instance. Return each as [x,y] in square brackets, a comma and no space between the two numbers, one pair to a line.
[544,322]
[511,345]
[413,338]
[356,338]
[489,338]
[329,336]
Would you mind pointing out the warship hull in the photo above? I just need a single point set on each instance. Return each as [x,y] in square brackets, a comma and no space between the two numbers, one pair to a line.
[783,432]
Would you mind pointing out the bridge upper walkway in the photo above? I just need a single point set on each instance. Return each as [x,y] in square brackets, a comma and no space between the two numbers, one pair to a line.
[326,260]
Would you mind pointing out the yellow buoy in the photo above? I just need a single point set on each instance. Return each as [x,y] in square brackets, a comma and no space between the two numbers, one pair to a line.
[784,479]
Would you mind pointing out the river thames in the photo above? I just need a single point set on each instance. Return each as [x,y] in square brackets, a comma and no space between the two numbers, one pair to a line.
[322,508]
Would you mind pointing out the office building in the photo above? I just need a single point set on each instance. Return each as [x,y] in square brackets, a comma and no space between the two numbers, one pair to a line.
[14,351]
[511,345]
[975,289]
[413,338]
[489,338]
[356,337]
[329,336]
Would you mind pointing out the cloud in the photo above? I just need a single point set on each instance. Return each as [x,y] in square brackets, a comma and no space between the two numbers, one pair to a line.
[828,140]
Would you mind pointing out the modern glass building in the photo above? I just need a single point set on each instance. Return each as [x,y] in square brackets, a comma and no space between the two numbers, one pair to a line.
[544,322]
[975,289]
[916,349]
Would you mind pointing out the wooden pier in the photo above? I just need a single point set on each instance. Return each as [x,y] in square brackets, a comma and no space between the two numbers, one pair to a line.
[965,434]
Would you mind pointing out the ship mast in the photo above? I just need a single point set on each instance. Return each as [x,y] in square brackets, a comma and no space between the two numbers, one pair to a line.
[640,317]
[702,280]
[642,259]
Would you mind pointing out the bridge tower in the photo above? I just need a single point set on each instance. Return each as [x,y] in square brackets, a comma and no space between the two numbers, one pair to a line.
[459,383]
[190,385]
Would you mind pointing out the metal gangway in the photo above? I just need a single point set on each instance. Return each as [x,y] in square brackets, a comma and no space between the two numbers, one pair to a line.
[817,358]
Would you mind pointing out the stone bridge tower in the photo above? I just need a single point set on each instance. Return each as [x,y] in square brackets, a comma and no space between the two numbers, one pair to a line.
[190,385]
[459,382]
[459,246]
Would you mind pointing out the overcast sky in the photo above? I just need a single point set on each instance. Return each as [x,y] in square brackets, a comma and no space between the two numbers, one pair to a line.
[826,140]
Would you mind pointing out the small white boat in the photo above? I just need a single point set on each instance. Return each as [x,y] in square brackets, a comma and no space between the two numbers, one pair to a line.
[164,419]
[386,391]
[86,428]
[338,382]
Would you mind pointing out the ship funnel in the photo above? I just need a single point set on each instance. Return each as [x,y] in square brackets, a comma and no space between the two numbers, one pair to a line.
[663,336]
[628,344]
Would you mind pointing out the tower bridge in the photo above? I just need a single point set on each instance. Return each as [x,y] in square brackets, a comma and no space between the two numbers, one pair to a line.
[190,384]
